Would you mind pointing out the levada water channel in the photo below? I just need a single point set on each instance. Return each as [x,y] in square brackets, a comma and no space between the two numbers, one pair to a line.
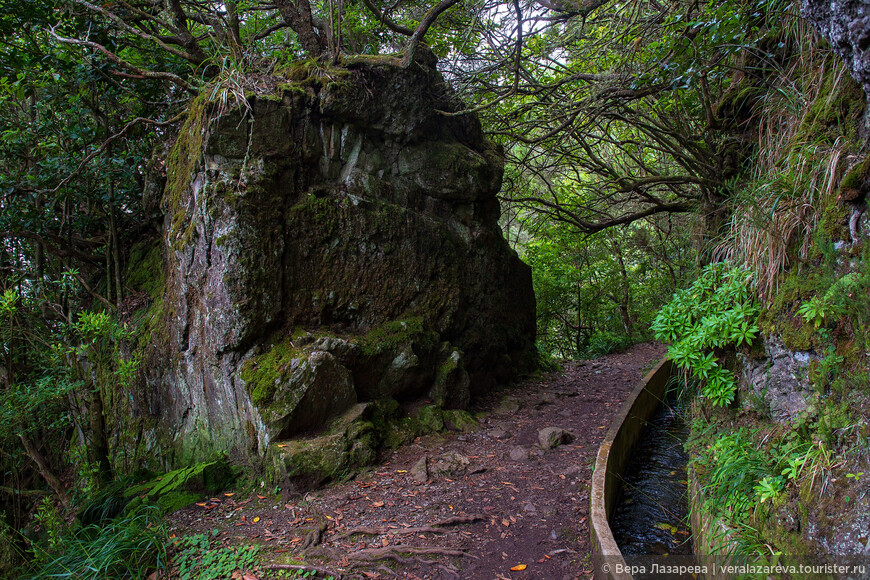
[651,516]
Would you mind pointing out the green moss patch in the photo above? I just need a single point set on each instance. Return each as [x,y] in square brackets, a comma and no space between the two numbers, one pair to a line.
[837,109]
[181,165]
[264,373]
[348,444]
[181,487]
[392,335]
[458,420]
[145,270]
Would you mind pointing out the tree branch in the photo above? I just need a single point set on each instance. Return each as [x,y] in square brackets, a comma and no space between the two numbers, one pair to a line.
[123,63]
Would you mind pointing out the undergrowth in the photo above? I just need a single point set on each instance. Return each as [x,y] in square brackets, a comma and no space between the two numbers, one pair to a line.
[200,557]
[130,546]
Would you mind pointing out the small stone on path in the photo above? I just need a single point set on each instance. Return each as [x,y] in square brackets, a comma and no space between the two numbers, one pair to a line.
[499,433]
[509,405]
[419,472]
[552,437]
[519,453]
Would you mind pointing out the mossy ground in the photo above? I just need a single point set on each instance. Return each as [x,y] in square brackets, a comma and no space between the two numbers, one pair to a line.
[181,487]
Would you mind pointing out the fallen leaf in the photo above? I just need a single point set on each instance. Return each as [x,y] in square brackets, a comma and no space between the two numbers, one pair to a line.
[229,494]
[519,567]
[282,445]
[505,522]
[256,519]
[378,504]
[201,504]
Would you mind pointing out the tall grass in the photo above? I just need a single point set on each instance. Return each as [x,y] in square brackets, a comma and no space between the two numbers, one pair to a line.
[796,170]
[130,546]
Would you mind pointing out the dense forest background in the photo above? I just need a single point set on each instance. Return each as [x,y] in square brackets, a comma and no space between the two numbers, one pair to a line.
[643,141]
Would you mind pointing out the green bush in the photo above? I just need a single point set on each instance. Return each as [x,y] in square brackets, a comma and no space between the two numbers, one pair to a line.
[715,312]
[199,559]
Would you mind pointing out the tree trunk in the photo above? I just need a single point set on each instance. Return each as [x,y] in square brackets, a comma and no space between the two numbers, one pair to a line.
[43,468]
[99,444]
[298,17]
[625,299]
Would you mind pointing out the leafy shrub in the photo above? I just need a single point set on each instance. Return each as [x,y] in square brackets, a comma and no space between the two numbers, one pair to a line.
[715,312]
[602,343]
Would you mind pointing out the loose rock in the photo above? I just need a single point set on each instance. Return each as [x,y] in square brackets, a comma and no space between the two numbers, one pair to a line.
[519,453]
[552,437]
[420,472]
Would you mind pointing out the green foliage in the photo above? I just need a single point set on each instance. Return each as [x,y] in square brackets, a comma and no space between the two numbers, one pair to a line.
[734,469]
[180,487]
[200,557]
[716,312]
[838,300]
[768,488]
[595,294]
[131,546]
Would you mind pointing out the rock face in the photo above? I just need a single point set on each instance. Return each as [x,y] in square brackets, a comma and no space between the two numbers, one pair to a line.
[338,244]
[845,24]
[781,379]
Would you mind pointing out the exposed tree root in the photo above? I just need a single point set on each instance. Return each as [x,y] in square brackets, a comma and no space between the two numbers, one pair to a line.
[396,553]
[325,572]
[433,528]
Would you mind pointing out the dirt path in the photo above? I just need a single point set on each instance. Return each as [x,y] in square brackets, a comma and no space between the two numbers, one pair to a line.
[484,503]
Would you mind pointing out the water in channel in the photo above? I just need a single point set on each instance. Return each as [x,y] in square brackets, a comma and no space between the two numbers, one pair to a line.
[651,517]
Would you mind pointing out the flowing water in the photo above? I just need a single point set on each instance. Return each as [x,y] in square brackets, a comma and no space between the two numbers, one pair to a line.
[651,516]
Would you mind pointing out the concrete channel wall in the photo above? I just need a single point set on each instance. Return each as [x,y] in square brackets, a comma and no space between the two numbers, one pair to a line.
[613,457]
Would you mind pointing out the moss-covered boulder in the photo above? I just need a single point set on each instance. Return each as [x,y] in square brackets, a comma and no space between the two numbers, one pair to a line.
[335,242]
[295,390]
[347,444]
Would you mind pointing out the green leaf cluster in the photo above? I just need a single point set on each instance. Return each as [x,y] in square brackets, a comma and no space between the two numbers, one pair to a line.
[200,558]
[717,311]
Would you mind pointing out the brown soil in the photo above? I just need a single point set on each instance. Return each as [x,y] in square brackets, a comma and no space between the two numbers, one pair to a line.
[514,504]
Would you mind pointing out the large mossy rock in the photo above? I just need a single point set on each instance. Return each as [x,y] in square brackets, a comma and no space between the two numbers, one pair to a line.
[337,243]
